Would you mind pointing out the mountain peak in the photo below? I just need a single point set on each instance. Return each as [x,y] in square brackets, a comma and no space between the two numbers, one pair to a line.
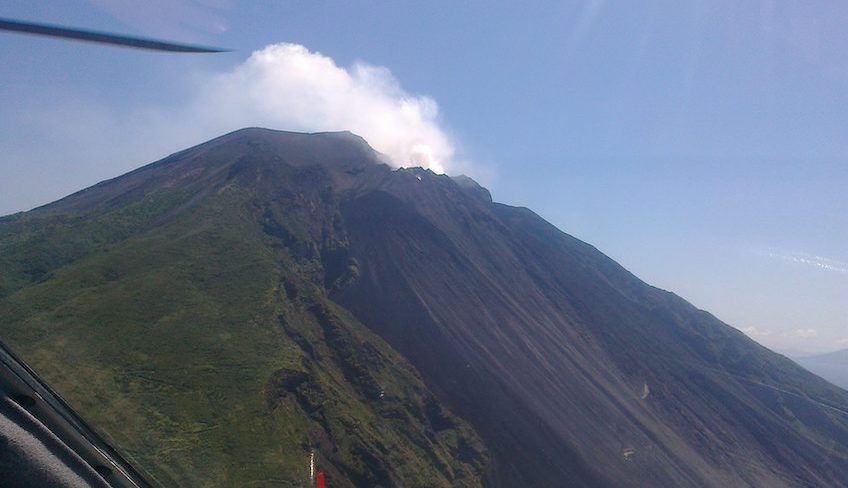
[251,152]
[294,279]
[264,133]
[303,148]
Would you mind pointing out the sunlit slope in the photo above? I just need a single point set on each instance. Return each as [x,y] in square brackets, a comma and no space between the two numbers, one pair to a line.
[218,313]
[183,311]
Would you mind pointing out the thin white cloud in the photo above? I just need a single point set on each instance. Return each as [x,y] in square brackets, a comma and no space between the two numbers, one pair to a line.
[803,334]
[755,331]
[819,262]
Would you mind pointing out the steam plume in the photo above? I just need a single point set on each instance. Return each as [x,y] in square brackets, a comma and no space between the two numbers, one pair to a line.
[282,86]
[286,86]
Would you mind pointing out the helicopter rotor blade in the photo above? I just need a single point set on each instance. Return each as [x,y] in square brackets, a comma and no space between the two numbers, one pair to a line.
[102,37]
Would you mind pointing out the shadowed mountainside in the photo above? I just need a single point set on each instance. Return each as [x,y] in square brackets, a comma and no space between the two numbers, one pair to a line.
[223,310]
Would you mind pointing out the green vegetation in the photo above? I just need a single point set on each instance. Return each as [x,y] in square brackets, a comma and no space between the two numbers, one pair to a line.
[203,345]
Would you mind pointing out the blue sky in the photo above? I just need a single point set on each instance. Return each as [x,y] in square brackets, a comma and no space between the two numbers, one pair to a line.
[703,145]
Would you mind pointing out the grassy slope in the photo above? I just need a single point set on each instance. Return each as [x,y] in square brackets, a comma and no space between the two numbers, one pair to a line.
[211,356]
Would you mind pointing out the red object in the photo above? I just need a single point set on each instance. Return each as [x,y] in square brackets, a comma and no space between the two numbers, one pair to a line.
[319,480]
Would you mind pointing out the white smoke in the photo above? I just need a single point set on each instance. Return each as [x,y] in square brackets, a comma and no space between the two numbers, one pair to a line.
[286,86]
[282,86]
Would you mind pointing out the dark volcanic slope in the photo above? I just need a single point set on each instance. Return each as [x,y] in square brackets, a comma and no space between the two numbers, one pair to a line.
[571,368]
[573,371]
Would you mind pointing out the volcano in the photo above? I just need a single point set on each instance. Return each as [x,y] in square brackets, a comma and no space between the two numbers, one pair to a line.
[223,313]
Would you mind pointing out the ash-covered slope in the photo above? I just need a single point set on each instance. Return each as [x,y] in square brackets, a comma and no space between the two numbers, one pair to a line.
[571,370]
